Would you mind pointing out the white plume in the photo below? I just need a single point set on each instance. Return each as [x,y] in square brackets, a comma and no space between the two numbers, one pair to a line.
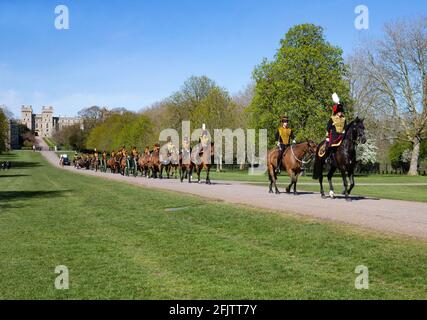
[203,127]
[335,98]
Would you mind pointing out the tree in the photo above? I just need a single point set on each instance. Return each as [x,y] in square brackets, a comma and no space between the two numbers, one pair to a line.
[393,73]
[299,82]
[4,126]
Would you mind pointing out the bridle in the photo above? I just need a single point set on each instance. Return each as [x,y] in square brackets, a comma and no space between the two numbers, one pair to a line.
[304,160]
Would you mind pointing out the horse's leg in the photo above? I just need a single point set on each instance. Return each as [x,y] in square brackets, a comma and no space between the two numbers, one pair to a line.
[270,189]
[198,171]
[291,175]
[331,186]
[295,180]
[351,178]
[274,179]
[189,172]
[208,169]
[344,180]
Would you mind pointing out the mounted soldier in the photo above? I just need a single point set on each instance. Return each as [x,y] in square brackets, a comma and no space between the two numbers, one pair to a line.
[284,137]
[335,128]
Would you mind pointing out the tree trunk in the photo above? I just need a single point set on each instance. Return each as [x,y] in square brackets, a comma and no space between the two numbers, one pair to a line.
[413,169]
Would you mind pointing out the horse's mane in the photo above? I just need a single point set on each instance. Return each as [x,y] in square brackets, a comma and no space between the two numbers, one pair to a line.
[348,126]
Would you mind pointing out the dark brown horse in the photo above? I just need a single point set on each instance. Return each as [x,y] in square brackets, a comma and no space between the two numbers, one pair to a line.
[203,161]
[293,160]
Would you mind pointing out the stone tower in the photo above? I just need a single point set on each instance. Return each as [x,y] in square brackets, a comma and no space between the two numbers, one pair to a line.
[27,117]
[46,125]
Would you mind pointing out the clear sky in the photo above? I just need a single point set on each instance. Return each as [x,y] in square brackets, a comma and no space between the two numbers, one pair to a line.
[120,53]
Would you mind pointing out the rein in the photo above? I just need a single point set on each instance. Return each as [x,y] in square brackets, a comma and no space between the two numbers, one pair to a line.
[302,161]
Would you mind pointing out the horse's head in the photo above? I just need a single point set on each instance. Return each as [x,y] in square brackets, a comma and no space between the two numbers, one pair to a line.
[357,130]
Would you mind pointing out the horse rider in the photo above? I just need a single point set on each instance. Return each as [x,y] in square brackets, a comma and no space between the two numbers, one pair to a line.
[204,137]
[335,128]
[124,152]
[113,154]
[284,136]
[147,150]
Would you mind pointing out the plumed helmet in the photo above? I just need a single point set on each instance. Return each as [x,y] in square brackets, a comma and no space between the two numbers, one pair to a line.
[284,119]
[337,108]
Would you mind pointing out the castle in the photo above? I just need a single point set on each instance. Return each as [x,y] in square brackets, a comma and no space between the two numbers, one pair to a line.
[45,124]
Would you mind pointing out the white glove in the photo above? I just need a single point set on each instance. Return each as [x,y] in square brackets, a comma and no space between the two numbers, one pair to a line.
[278,144]
[294,142]
[327,139]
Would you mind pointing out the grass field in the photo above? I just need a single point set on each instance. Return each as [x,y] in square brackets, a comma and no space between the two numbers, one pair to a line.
[126,242]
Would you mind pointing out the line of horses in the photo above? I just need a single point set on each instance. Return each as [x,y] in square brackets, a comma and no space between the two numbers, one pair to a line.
[154,164]
[151,164]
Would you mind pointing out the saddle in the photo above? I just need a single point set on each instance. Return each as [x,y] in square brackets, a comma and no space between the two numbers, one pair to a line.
[322,148]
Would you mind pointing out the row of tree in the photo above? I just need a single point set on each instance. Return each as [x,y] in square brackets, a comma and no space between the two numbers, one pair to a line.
[385,82]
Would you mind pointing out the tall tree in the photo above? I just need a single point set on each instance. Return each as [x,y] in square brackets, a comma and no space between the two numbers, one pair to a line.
[4,126]
[299,82]
[392,72]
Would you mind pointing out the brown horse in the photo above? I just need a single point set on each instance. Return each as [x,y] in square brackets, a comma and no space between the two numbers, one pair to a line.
[144,162]
[205,161]
[293,160]
[186,166]
[112,163]
[155,164]
[122,164]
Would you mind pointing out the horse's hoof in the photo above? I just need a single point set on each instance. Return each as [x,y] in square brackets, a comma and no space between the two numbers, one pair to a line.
[295,193]
[270,191]
[288,191]
[277,192]
[348,199]
[323,196]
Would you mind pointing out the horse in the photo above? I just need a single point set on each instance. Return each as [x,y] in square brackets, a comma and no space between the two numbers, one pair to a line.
[293,161]
[112,163]
[123,165]
[155,164]
[95,163]
[203,161]
[186,166]
[144,162]
[343,158]
[171,162]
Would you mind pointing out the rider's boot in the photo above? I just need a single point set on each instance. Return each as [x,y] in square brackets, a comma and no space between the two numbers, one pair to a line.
[279,166]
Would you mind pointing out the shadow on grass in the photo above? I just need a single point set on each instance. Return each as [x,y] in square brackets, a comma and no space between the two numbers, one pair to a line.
[12,175]
[6,197]
[24,164]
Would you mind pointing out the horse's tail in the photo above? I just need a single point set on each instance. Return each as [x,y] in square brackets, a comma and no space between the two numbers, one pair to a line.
[317,169]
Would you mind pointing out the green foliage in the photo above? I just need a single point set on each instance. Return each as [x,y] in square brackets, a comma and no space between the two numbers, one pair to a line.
[3,130]
[128,129]
[299,82]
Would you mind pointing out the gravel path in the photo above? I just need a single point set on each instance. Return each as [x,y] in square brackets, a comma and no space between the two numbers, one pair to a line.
[401,217]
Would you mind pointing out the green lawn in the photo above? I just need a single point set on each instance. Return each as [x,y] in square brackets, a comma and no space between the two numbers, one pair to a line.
[122,241]
[395,190]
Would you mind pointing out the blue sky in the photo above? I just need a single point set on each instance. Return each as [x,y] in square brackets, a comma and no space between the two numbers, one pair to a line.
[133,53]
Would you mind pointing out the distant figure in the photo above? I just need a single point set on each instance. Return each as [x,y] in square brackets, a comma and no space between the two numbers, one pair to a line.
[34,147]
